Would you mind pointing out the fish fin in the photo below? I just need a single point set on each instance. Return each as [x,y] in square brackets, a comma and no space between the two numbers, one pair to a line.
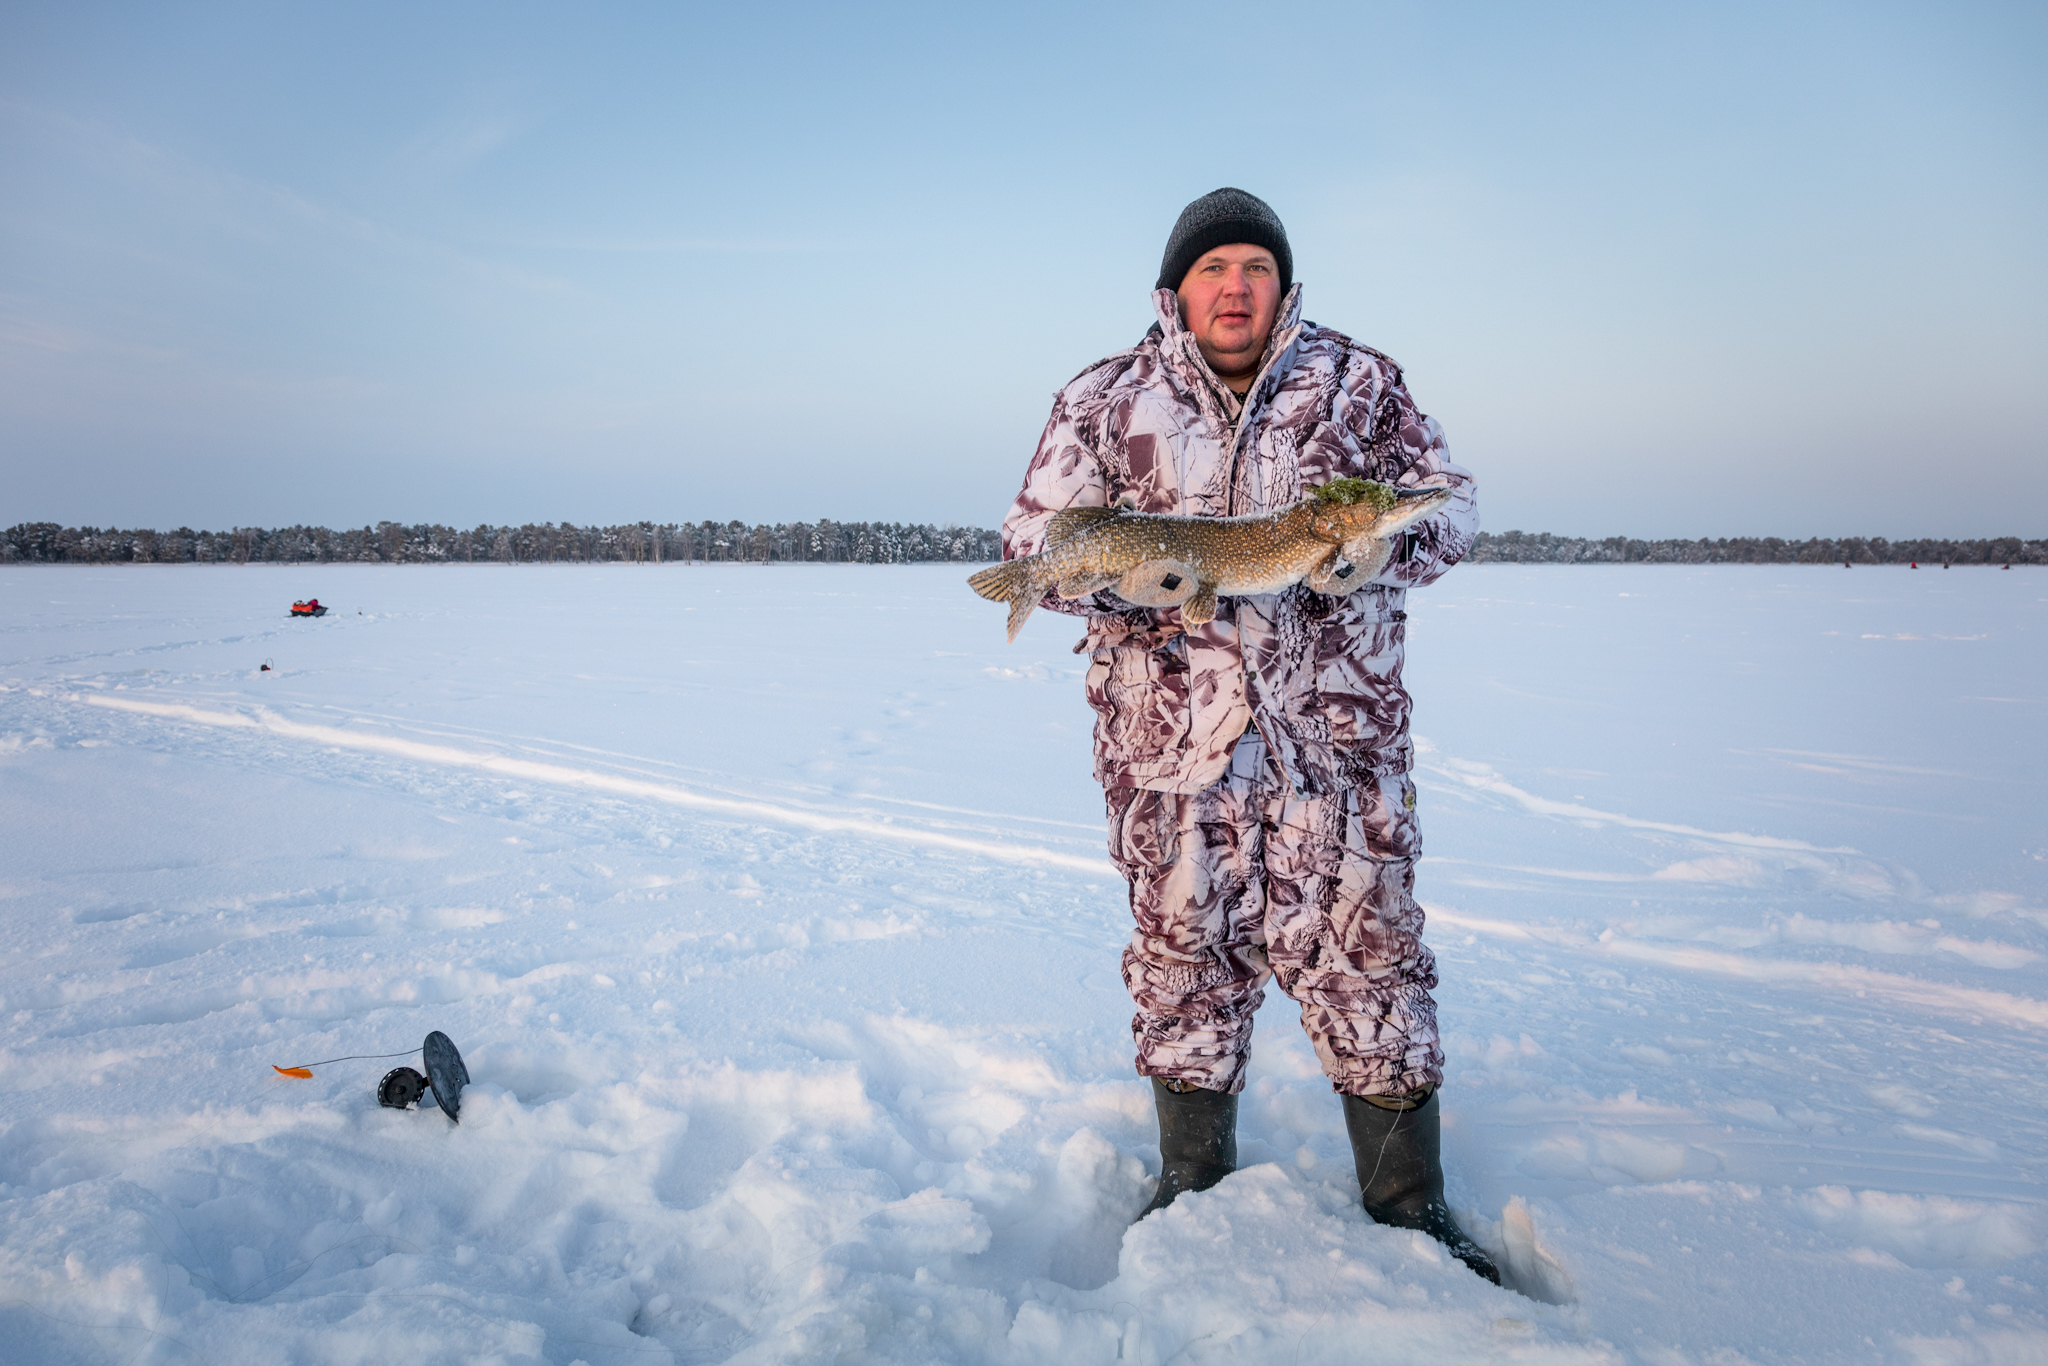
[1370,554]
[1201,607]
[1335,575]
[1020,608]
[1071,522]
[1351,566]
[1001,582]
[1158,583]
[1082,582]
[1016,583]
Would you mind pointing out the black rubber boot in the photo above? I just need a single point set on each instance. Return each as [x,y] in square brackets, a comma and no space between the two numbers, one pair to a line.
[1197,1139]
[1401,1171]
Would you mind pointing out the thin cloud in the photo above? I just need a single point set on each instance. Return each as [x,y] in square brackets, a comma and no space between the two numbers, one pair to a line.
[736,246]
[258,209]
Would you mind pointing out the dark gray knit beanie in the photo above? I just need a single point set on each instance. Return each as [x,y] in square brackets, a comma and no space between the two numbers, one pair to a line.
[1218,219]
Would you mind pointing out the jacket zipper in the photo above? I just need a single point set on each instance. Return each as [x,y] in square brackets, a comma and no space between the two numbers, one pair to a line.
[1244,408]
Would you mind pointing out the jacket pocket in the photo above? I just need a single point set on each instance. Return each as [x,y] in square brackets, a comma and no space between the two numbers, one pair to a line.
[1358,686]
[1143,835]
[1141,698]
[1382,817]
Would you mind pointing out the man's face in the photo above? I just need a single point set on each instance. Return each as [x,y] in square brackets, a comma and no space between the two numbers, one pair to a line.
[1229,299]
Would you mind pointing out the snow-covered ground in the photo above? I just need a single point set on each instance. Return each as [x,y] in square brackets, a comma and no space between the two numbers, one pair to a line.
[770,910]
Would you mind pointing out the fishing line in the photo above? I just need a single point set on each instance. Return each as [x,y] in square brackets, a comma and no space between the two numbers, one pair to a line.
[353,1057]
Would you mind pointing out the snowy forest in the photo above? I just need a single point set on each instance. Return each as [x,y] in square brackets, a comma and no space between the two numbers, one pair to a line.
[547,543]
[1516,547]
[863,543]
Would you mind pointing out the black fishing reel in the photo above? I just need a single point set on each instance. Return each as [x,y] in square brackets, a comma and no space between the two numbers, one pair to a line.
[402,1088]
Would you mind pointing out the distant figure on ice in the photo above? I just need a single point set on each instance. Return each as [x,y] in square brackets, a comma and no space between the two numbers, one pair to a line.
[1256,765]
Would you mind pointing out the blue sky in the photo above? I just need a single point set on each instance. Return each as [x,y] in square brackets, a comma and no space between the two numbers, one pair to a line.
[1659,270]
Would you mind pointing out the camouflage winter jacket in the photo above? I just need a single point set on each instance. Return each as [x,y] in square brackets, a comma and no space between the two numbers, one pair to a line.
[1320,677]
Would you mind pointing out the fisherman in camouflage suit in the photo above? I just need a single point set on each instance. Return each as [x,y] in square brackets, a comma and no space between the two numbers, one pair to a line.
[1256,766]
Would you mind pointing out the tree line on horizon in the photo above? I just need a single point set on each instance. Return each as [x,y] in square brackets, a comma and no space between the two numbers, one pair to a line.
[829,542]
[1518,547]
[826,542]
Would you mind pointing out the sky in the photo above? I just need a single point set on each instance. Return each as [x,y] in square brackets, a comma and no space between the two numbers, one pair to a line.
[1670,270]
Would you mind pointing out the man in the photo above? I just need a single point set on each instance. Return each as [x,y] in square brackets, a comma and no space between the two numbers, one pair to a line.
[1256,765]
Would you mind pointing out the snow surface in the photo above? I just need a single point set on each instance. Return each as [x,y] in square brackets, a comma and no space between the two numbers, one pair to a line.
[769,907]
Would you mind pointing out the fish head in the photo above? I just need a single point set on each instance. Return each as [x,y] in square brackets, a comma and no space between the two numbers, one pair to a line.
[1366,507]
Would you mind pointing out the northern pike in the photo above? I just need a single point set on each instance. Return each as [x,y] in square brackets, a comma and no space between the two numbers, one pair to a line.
[1336,539]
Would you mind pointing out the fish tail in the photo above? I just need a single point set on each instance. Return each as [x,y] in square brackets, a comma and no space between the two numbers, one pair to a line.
[1015,583]
[1001,582]
[1020,608]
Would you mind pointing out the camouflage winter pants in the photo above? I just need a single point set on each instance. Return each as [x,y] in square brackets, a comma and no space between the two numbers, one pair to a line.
[1246,880]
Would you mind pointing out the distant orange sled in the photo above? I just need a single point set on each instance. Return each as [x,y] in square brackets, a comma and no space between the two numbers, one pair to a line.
[309,608]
